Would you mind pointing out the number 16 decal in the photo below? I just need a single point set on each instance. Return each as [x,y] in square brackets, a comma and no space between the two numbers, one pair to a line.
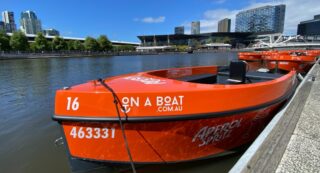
[72,103]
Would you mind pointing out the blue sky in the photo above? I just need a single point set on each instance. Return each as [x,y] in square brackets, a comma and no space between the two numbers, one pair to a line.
[123,20]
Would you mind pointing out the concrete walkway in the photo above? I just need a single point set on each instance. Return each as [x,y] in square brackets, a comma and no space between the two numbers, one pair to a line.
[303,151]
[291,141]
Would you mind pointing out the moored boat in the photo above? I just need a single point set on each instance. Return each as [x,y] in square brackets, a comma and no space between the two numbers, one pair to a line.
[286,60]
[254,59]
[171,115]
[301,61]
[250,56]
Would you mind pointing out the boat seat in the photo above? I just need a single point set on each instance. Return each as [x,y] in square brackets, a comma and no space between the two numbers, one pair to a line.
[257,75]
[237,72]
[206,78]
[262,75]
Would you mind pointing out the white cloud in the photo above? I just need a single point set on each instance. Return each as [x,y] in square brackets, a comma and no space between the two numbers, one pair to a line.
[296,11]
[159,19]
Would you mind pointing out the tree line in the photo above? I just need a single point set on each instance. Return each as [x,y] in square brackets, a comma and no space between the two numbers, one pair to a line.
[19,42]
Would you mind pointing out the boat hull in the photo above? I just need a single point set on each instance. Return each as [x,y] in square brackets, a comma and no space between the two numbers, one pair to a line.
[166,120]
[289,65]
[168,141]
[301,64]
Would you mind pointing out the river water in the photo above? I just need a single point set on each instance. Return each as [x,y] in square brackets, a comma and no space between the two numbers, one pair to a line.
[27,89]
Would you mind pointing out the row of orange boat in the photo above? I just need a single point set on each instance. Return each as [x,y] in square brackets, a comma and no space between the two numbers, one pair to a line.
[300,60]
[178,114]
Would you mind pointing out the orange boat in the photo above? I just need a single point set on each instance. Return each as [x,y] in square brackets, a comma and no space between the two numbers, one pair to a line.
[254,59]
[250,56]
[171,115]
[300,61]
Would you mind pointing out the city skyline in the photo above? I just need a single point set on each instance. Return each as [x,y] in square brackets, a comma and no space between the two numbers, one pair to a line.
[124,20]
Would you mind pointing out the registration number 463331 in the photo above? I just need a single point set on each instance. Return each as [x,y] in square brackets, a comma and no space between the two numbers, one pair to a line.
[92,133]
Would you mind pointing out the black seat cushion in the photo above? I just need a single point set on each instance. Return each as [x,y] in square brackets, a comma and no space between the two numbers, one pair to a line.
[237,73]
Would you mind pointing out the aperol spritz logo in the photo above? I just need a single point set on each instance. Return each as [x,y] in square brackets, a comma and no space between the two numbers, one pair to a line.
[160,103]
[208,135]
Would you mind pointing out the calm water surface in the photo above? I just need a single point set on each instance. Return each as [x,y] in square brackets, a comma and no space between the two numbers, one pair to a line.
[27,89]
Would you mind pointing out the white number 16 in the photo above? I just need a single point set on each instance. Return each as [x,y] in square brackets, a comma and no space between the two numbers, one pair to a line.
[73,104]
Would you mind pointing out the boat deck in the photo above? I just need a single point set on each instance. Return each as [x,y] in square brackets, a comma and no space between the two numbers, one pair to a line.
[223,76]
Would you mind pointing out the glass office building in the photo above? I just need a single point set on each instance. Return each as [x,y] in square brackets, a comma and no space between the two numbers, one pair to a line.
[8,20]
[29,23]
[310,29]
[266,19]
[2,26]
[195,27]
[179,30]
[51,32]
[224,25]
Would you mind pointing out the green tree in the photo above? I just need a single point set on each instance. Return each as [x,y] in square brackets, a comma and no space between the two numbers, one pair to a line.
[70,45]
[41,42]
[32,46]
[195,44]
[4,41]
[91,44]
[19,41]
[50,45]
[125,48]
[77,45]
[59,43]
[104,43]
[226,39]
[182,48]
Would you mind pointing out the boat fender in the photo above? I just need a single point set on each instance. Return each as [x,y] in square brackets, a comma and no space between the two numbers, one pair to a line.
[300,77]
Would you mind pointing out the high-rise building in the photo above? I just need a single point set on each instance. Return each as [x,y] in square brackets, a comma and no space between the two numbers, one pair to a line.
[310,28]
[51,32]
[29,22]
[195,27]
[8,19]
[179,30]
[2,26]
[266,19]
[224,25]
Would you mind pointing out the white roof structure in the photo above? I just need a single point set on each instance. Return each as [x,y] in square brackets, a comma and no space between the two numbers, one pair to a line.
[218,45]
[280,41]
[153,47]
